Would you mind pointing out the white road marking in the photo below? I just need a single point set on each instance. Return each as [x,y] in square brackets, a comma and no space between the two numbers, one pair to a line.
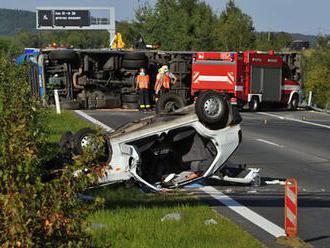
[94,121]
[245,212]
[296,120]
[269,143]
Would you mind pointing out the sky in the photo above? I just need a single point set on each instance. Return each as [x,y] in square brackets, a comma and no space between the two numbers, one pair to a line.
[296,16]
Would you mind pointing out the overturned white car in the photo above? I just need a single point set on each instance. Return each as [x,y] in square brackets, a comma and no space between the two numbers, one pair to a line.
[171,150]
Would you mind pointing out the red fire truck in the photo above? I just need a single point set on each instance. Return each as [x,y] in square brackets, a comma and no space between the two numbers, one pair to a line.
[248,78]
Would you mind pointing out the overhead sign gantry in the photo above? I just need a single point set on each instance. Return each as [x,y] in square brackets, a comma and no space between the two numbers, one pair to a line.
[76,18]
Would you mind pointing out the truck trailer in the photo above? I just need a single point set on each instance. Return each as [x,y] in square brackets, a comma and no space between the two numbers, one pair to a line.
[105,78]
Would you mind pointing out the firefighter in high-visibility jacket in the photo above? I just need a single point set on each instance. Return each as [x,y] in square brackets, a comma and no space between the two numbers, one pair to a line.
[164,80]
[142,86]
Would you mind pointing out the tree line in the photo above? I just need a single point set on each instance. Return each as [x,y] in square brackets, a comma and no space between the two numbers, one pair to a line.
[173,24]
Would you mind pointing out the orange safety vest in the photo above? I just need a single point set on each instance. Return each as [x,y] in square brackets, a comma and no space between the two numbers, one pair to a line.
[167,82]
[143,81]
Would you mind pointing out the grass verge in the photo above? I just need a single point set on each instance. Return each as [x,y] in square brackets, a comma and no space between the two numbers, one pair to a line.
[131,218]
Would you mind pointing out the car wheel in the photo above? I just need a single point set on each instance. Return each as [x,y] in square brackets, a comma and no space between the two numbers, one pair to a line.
[212,110]
[169,103]
[63,55]
[293,105]
[254,104]
[83,138]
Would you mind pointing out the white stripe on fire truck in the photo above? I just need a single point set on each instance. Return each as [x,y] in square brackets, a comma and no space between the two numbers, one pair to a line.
[214,78]
[291,87]
[239,88]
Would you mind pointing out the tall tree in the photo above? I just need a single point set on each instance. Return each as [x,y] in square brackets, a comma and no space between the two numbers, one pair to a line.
[177,24]
[235,29]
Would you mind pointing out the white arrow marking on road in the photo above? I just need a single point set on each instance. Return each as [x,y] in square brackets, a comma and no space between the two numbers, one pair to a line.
[245,212]
[269,143]
[292,119]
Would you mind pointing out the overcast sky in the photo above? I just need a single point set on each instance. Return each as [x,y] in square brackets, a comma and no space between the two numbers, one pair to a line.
[299,16]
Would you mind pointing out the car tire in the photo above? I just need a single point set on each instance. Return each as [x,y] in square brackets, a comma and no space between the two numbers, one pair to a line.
[80,139]
[129,98]
[212,110]
[293,105]
[63,55]
[133,64]
[254,104]
[168,103]
[134,56]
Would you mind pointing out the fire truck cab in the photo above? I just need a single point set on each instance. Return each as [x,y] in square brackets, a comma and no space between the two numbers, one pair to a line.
[247,78]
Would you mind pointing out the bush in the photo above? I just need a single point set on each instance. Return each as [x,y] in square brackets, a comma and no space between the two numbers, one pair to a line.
[35,211]
[316,67]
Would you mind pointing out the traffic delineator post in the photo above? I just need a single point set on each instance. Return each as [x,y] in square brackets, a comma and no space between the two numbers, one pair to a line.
[291,208]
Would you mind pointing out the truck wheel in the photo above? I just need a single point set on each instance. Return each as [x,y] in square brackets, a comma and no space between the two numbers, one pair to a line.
[293,105]
[212,110]
[254,104]
[133,64]
[63,55]
[127,98]
[134,56]
[169,103]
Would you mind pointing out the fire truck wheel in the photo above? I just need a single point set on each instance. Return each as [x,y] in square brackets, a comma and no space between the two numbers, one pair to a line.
[254,104]
[169,103]
[212,110]
[293,105]
[63,55]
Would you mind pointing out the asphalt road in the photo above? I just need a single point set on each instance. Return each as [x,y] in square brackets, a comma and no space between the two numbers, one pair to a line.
[282,148]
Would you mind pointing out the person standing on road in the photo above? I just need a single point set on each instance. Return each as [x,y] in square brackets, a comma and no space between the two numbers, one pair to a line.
[166,79]
[159,82]
[142,86]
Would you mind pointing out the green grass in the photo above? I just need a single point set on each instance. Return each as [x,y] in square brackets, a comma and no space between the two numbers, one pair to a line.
[133,219]
[67,121]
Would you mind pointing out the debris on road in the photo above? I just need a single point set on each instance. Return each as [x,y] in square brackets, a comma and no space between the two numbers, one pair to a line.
[274,182]
[172,216]
[210,222]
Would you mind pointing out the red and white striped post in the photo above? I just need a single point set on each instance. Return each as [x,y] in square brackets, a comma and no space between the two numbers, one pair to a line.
[291,207]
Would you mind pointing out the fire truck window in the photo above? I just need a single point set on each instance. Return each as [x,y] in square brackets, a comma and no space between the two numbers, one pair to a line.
[286,71]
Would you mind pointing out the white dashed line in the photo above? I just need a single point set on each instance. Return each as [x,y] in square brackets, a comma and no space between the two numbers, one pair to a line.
[94,121]
[296,120]
[245,212]
[269,143]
